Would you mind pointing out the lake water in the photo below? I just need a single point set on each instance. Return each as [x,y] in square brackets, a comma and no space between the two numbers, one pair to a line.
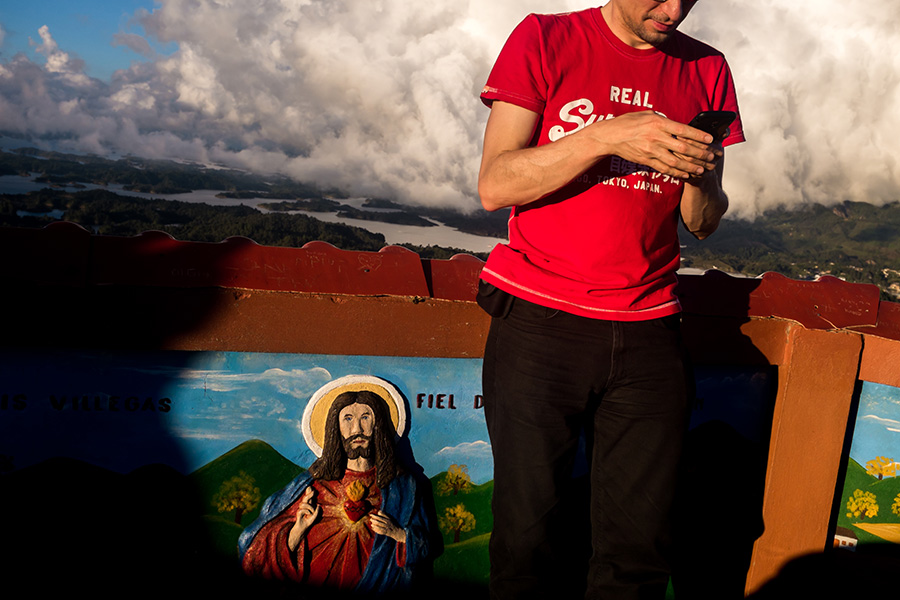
[439,235]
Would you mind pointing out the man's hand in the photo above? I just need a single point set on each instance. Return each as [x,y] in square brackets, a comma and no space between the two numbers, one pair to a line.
[671,148]
[306,516]
[382,524]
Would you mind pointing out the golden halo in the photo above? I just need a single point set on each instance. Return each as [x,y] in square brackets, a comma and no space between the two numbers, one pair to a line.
[313,423]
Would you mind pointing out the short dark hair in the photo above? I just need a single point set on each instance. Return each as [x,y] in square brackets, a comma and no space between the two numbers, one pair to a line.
[332,465]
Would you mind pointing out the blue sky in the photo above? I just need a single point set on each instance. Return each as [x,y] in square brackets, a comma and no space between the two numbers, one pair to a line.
[83,27]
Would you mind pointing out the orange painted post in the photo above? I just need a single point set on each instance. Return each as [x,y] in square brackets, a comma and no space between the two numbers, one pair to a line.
[810,420]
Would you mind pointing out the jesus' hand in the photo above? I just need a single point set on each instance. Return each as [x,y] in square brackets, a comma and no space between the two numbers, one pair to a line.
[382,524]
[306,516]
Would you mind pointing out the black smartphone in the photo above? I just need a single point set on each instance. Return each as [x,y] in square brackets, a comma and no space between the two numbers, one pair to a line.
[714,122]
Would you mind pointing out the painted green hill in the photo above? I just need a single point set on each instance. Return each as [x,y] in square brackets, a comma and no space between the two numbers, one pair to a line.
[476,500]
[254,463]
[466,561]
[269,470]
[856,477]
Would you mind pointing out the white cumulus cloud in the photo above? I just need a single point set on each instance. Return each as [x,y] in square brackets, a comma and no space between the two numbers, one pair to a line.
[466,451]
[299,383]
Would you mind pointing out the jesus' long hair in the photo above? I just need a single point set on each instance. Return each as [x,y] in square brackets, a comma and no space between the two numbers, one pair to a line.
[332,465]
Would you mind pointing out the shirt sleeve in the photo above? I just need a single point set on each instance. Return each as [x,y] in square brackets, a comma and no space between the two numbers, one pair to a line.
[727,99]
[517,76]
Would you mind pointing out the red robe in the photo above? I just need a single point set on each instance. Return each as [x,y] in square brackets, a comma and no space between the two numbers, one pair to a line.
[335,550]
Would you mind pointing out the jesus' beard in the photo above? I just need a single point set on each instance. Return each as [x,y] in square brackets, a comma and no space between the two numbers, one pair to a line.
[354,452]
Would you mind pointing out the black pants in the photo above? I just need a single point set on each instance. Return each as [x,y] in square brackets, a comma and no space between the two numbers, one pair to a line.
[552,379]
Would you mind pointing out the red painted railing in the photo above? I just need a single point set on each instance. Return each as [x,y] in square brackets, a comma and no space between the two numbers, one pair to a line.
[68,255]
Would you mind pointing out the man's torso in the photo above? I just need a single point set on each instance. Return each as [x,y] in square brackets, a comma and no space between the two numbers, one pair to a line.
[606,245]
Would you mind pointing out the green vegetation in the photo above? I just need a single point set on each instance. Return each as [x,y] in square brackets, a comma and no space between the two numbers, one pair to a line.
[314,205]
[395,217]
[441,252]
[490,224]
[106,213]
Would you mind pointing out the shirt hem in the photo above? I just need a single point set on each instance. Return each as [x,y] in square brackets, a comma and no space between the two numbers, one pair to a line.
[583,310]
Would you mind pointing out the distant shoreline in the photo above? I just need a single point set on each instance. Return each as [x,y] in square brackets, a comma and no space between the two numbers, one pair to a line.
[438,234]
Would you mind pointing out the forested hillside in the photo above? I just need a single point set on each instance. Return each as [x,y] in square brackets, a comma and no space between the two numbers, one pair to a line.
[854,241]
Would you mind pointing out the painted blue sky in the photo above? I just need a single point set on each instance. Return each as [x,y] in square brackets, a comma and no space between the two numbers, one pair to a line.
[380,99]
[217,401]
[877,430]
[214,402]
[121,411]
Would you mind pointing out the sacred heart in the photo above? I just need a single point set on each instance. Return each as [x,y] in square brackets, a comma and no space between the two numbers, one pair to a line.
[356,507]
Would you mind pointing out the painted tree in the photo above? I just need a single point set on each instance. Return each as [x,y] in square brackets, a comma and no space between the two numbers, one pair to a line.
[455,520]
[895,507]
[881,467]
[456,480]
[238,494]
[861,505]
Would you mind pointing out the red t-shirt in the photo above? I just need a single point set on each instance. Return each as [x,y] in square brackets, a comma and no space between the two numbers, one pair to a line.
[606,245]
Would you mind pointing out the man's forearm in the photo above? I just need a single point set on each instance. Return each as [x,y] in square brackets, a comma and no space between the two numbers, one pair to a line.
[514,173]
[518,177]
[703,203]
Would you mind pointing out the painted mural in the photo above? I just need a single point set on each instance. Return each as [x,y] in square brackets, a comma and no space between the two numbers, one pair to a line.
[868,510]
[186,437]
[231,425]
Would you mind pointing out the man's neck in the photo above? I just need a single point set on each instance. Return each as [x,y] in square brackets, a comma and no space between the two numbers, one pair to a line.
[359,464]
[610,14]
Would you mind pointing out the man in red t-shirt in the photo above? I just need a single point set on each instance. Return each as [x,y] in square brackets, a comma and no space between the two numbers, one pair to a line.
[587,143]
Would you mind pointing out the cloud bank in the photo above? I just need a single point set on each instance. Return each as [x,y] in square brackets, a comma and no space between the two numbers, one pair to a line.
[467,451]
[380,97]
[298,383]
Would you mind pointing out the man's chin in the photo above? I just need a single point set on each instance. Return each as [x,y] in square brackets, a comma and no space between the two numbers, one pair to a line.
[656,38]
